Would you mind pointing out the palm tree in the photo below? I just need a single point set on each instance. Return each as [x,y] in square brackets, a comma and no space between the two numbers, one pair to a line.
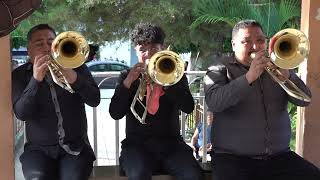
[273,16]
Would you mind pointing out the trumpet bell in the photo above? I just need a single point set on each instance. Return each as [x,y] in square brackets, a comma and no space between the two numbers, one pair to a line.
[290,49]
[165,68]
[70,49]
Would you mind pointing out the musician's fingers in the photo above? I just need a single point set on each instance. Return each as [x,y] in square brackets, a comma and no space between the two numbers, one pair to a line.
[41,59]
[261,65]
[273,66]
[43,67]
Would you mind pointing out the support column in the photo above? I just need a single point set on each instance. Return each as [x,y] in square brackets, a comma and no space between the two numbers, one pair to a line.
[308,127]
[6,120]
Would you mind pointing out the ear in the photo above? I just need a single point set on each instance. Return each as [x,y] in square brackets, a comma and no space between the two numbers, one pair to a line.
[29,53]
[232,44]
[163,47]
[28,49]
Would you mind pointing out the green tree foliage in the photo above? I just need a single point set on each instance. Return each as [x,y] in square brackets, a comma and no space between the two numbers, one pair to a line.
[102,21]
[109,20]
[292,109]
[273,15]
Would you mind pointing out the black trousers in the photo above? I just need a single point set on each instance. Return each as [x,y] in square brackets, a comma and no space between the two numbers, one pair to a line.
[140,161]
[53,163]
[284,166]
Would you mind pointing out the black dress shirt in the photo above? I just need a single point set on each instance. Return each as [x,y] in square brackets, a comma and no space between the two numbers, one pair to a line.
[32,103]
[250,119]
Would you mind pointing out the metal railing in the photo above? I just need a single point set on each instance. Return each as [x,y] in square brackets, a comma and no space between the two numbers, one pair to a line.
[190,120]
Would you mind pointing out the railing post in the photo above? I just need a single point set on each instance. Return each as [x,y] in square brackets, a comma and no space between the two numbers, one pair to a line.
[117,142]
[204,132]
[183,125]
[95,123]
[95,134]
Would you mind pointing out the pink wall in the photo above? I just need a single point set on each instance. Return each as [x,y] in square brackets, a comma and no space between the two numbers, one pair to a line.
[6,120]
[309,126]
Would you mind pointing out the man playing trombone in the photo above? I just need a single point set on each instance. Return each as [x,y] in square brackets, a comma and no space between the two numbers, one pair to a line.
[153,143]
[57,144]
[252,126]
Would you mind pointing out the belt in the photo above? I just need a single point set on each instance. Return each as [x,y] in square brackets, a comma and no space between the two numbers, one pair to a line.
[256,157]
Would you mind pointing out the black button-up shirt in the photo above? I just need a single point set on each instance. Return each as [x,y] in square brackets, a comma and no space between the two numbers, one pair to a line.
[250,119]
[33,103]
[165,124]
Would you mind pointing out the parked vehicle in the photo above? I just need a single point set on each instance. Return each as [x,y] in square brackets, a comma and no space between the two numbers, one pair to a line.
[106,66]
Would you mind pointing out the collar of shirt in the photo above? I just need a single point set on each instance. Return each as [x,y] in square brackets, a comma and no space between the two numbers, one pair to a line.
[234,60]
[29,66]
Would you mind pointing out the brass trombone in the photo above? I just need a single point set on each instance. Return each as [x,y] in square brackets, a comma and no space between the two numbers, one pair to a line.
[291,48]
[164,68]
[68,50]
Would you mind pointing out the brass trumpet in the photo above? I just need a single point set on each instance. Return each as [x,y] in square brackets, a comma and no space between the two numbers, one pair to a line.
[68,50]
[291,48]
[165,68]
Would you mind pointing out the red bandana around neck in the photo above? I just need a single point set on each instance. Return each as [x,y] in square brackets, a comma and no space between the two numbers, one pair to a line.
[157,92]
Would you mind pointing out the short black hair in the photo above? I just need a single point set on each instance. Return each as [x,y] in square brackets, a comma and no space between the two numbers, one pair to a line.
[39,27]
[245,24]
[146,33]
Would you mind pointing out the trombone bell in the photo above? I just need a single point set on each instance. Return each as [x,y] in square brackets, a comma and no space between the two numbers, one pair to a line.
[291,48]
[68,50]
[165,68]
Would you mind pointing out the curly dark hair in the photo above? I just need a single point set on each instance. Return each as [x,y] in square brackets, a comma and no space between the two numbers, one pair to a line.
[145,33]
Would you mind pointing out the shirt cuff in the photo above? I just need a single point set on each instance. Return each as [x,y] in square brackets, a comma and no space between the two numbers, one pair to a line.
[78,83]
[32,87]
[123,89]
[242,85]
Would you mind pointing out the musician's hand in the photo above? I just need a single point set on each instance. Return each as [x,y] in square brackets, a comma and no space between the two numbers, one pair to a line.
[209,147]
[134,74]
[70,75]
[271,44]
[285,72]
[257,66]
[40,67]
[193,147]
